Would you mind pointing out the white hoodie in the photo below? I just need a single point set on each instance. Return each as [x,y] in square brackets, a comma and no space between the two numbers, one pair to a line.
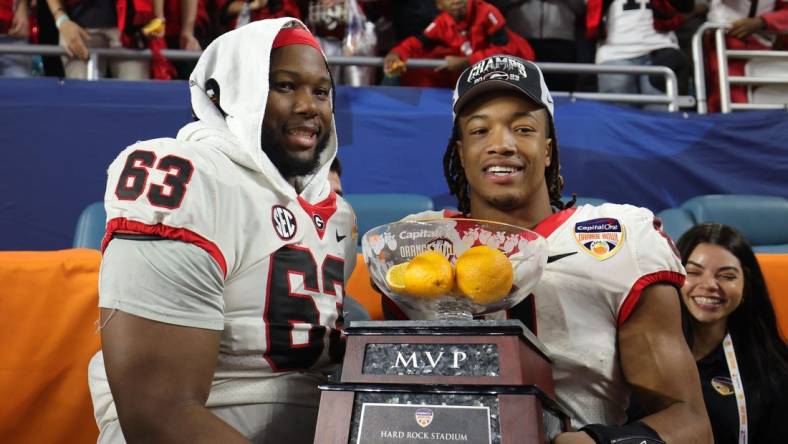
[284,257]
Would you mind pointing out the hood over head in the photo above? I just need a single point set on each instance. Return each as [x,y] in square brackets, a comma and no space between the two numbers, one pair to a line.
[237,65]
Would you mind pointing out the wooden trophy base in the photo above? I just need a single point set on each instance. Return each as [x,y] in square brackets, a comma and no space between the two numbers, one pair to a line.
[437,382]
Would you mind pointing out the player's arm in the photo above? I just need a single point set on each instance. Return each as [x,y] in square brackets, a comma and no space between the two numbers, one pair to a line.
[162,314]
[657,364]
[160,376]
[659,367]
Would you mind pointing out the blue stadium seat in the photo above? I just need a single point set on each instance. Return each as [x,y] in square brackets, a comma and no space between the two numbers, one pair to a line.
[676,221]
[90,227]
[763,220]
[376,209]
[354,311]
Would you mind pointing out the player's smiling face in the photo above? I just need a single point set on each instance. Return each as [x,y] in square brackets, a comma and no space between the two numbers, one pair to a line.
[297,119]
[504,149]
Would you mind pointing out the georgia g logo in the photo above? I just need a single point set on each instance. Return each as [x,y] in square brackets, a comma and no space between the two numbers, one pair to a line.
[284,222]
[319,224]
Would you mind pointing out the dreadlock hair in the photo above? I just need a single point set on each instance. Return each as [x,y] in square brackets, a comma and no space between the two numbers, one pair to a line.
[458,183]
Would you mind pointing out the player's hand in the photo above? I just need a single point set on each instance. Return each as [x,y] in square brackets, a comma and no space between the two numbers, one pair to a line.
[744,27]
[189,42]
[74,38]
[393,65]
[573,438]
[20,27]
[453,64]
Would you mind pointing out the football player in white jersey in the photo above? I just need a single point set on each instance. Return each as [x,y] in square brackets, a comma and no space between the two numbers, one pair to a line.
[607,306]
[226,255]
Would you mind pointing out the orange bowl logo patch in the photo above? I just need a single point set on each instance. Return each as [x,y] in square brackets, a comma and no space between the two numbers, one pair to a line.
[424,416]
[722,385]
[601,238]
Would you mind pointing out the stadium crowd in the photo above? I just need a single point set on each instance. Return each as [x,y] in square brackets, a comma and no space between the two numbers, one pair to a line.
[461,32]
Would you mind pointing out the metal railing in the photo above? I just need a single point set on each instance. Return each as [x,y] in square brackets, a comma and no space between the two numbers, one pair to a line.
[670,99]
[723,77]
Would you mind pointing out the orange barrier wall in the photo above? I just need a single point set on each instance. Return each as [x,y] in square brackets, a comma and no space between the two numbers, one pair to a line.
[359,288]
[48,310]
[47,323]
[775,271]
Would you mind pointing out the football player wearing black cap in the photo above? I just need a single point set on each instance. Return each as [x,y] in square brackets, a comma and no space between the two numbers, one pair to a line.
[607,305]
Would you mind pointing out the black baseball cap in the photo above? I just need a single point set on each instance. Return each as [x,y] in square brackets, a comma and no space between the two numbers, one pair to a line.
[502,72]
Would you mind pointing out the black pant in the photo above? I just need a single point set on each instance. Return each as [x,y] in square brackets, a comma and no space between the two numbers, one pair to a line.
[560,51]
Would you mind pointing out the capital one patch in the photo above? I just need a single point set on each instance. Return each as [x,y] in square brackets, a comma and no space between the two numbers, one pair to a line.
[601,238]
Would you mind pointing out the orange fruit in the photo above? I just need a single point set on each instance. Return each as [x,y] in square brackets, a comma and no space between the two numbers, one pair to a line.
[429,275]
[395,277]
[484,274]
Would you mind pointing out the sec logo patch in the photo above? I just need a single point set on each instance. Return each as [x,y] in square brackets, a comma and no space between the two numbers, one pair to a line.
[284,222]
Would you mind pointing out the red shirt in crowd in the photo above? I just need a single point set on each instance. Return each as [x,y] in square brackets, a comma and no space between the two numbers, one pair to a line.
[480,34]
[172,13]
[6,15]
[776,21]
[286,8]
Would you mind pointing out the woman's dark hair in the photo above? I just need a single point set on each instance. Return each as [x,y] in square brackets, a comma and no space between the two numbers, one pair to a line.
[458,183]
[753,325]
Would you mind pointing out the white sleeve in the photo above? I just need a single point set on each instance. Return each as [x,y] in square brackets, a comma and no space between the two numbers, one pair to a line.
[654,251]
[163,280]
[655,258]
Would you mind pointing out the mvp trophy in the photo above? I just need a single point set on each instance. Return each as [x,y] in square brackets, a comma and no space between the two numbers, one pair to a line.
[447,378]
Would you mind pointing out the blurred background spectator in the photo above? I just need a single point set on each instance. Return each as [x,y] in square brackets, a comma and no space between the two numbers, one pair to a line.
[342,28]
[410,17]
[14,30]
[685,32]
[234,13]
[188,27]
[636,32]
[459,32]
[551,29]
[188,24]
[754,25]
[84,24]
[465,32]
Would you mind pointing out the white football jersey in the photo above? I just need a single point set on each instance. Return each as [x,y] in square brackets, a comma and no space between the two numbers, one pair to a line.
[284,255]
[631,33]
[285,261]
[599,261]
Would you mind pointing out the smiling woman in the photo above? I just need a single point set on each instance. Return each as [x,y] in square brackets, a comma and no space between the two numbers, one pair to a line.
[733,335]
